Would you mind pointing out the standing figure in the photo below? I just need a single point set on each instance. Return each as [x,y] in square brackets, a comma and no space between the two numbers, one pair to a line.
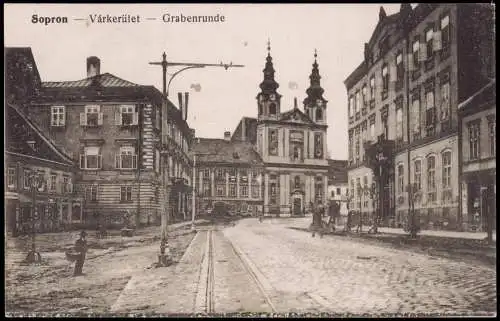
[81,249]
[334,211]
[359,229]
[317,221]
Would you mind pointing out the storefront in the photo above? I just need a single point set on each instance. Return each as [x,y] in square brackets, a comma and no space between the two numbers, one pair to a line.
[479,208]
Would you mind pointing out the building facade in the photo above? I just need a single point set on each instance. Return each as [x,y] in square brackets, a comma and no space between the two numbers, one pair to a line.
[229,176]
[39,177]
[403,125]
[292,145]
[130,147]
[478,164]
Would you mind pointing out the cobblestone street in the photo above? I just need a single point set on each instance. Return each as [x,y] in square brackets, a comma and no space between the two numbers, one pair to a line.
[344,276]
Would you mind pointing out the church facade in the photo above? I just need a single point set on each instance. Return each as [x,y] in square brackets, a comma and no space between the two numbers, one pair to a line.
[291,144]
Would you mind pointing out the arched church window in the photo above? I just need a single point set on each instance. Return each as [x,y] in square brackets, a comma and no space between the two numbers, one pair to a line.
[319,114]
[297,182]
[272,109]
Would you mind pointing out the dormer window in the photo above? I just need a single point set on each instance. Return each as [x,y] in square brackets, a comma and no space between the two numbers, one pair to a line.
[272,109]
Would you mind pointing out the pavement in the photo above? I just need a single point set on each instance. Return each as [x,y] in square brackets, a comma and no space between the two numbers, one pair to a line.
[342,276]
[253,267]
[305,222]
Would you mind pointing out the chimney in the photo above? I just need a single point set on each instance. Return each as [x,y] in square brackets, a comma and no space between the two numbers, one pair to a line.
[179,95]
[295,103]
[382,15]
[227,136]
[93,66]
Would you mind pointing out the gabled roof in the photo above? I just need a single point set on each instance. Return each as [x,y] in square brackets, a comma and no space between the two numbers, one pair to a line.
[103,80]
[249,125]
[21,77]
[21,129]
[295,115]
[213,150]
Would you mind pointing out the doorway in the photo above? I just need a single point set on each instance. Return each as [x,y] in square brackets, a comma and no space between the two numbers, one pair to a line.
[297,206]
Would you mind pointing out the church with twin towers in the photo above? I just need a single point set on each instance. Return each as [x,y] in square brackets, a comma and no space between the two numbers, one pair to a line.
[282,153]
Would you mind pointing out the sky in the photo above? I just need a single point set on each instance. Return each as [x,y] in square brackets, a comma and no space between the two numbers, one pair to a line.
[218,98]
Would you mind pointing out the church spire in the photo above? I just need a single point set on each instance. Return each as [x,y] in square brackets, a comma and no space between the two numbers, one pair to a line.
[314,92]
[269,85]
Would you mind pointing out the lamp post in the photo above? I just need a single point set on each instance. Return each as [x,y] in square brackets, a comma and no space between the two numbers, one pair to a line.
[164,257]
[36,182]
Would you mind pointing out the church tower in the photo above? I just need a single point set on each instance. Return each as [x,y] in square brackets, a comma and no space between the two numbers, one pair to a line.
[268,100]
[315,104]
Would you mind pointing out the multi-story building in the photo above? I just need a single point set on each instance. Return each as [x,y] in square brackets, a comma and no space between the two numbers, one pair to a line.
[38,176]
[403,126]
[337,180]
[292,145]
[130,147]
[477,116]
[229,176]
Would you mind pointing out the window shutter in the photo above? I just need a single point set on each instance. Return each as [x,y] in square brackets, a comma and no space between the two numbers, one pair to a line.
[82,161]
[118,117]
[437,43]
[422,52]
[117,161]
[99,119]
[135,118]
[99,161]
[83,119]
[134,161]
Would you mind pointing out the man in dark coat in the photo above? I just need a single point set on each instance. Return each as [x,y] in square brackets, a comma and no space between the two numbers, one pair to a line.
[317,220]
[81,249]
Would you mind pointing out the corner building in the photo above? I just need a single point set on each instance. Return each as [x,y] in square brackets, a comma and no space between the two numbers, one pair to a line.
[418,66]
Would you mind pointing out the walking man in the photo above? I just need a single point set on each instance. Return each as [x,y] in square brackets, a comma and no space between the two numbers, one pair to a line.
[81,249]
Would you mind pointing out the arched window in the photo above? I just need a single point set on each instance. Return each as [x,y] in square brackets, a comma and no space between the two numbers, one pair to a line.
[319,114]
[297,182]
[260,109]
[446,175]
[272,109]
[431,178]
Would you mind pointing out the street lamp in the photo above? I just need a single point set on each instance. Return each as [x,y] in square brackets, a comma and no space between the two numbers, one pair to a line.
[164,250]
[36,183]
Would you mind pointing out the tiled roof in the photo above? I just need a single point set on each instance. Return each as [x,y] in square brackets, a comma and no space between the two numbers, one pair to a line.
[337,171]
[17,134]
[214,150]
[104,80]
[250,130]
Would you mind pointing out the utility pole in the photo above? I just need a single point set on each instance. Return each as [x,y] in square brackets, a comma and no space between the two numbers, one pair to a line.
[164,257]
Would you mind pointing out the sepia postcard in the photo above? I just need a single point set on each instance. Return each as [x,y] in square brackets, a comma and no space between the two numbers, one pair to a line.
[255,160]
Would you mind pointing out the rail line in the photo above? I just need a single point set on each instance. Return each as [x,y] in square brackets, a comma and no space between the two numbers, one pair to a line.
[210,277]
